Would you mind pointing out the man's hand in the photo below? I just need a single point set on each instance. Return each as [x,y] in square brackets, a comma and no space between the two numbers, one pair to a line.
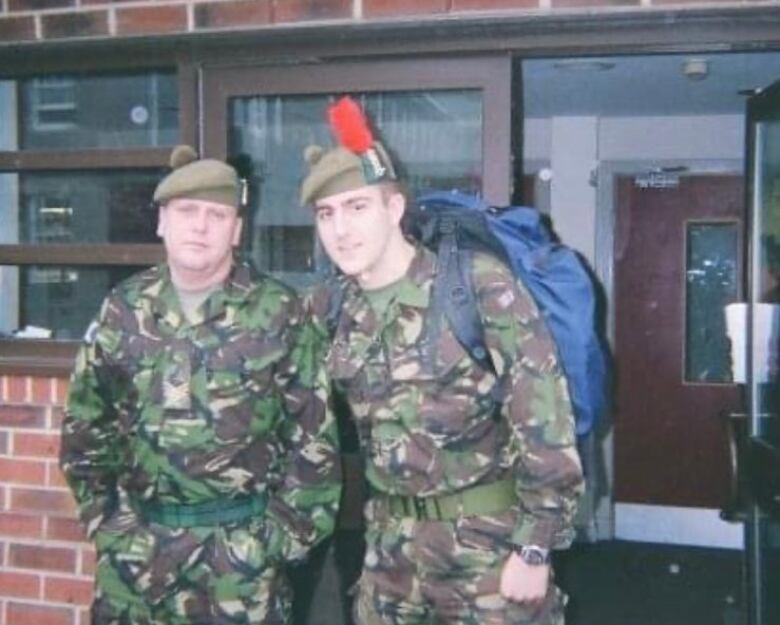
[524,583]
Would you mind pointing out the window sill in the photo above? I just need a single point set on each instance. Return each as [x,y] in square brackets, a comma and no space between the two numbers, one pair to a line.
[39,358]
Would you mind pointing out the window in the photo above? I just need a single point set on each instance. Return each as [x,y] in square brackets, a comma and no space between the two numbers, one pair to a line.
[77,172]
[711,282]
[444,121]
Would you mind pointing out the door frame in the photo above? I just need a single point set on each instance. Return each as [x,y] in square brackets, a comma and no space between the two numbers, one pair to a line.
[492,74]
[608,518]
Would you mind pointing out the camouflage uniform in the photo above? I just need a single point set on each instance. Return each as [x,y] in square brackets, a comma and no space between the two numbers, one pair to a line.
[436,430]
[166,414]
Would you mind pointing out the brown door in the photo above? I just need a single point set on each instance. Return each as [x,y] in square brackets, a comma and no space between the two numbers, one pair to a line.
[677,251]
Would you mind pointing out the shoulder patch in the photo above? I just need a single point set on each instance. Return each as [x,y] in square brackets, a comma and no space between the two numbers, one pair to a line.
[89,335]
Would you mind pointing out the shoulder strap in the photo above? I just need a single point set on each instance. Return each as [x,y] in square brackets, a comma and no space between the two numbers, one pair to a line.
[454,296]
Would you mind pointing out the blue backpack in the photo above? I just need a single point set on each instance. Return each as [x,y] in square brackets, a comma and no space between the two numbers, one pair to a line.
[454,225]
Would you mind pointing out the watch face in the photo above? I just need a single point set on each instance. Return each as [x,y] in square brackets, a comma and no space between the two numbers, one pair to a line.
[534,556]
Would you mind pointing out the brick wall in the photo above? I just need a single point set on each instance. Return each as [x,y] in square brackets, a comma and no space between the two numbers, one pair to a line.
[45,565]
[30,20]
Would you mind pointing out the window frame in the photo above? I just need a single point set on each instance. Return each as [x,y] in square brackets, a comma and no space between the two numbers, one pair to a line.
[51,356]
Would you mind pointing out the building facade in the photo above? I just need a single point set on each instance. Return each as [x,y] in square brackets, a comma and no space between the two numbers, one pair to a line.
[94,93]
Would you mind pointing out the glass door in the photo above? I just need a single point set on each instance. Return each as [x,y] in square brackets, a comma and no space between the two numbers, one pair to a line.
[446,122]
[763,340]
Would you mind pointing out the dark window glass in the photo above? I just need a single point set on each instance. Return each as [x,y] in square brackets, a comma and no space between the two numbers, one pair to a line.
[711,273]
[60,300]
[436,135]
[78,207]
[104,111]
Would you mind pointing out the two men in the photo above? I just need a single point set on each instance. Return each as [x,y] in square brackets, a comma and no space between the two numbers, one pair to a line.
[197,438]
[474,476]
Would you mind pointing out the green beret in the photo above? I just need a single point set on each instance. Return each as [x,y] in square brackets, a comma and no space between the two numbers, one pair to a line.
[339,169]
[205,179]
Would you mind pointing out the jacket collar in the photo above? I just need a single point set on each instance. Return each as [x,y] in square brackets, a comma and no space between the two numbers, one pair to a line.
[163,300]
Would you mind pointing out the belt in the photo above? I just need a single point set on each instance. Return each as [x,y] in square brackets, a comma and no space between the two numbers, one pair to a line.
[213,512]
[483,499]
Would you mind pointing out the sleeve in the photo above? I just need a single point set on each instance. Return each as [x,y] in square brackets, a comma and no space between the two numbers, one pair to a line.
[89,452]
[303,509]
[548,471]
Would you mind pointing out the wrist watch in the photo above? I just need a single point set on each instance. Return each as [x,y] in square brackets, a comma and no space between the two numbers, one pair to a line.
[532,554]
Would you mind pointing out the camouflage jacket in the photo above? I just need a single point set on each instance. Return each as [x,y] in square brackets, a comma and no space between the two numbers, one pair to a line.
[168,411]
[436,430]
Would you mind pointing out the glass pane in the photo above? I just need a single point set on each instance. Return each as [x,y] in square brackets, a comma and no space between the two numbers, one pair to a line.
[60,299]
[764,528]
[8,130]
[435,135]
[711,275]
[78,207]
[74,111]
[766,308]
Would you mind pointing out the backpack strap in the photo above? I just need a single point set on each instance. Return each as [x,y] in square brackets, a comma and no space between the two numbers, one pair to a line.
[455,297]
[336,295]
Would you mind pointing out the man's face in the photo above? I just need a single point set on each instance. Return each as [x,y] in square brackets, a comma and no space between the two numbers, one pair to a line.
[199,237]
[355,228]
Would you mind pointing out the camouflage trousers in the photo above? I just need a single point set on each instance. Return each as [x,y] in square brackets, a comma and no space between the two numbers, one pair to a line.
[443,573]
[155,575]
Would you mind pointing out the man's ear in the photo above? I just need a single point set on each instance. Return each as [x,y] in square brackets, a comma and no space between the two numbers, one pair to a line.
[237,232]
[161,222]
[396,203]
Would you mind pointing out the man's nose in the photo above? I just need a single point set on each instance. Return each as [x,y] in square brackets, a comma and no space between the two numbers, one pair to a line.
[200,221]
[339,224]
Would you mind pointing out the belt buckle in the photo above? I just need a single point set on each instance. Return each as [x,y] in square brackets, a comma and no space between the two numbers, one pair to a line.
[420,509]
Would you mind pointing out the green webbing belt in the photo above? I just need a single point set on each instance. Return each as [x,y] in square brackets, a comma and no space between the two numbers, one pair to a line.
[483,499]
[213,512]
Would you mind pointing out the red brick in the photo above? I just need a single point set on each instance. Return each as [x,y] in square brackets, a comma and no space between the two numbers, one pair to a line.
[42,558]
[65,529]
[82,24]
[38,5]
[22,416]
[17,388]
[36,445]
[21,585]
[56,479]
[492,5]
[57,415]
[224,14]
[400,8]
[16,471]
[57,502]
[563,4]
[27,614]
[21,525]
[683,2]
[300,10]
[61,390]
[150,19]
[17,28]
[65,590]
[88,561]
[42,390]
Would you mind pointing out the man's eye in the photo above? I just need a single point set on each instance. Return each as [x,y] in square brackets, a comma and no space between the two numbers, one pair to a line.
[218,215]
[324,215]
[359,206]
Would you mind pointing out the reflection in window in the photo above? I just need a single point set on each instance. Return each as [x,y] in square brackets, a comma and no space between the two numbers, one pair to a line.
[711,283]
[105,111]
[79,207]
[435,136]
[62,300]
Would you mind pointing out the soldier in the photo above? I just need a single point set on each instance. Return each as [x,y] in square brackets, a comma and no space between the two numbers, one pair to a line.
[196,440]
[474,477]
